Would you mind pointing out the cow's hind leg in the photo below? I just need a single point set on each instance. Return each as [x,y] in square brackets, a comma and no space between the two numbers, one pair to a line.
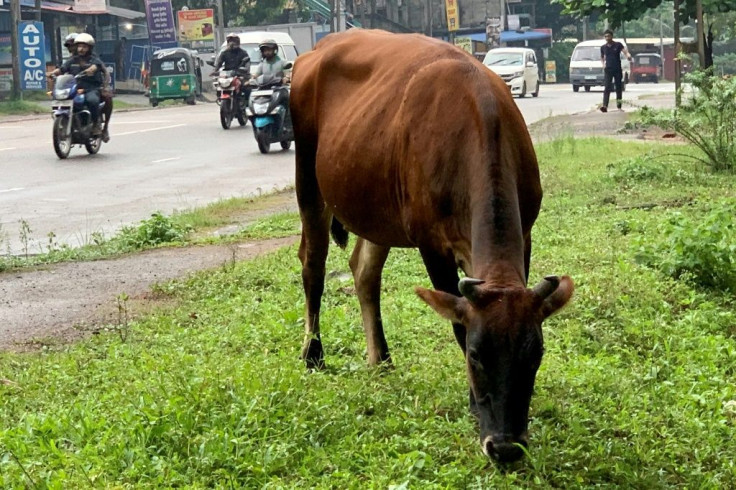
[312,250]
[367,263]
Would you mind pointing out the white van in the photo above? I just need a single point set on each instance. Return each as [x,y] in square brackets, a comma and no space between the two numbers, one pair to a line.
[250,40]
[586,69]
[517,67]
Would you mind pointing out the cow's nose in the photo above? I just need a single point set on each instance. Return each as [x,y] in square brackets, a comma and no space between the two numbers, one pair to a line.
[503,448]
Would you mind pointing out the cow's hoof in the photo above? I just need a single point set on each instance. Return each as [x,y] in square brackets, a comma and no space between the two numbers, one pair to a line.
[312,353]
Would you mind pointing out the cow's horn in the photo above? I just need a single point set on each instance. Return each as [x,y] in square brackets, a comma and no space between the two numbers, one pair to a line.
[467,287]
[547,286]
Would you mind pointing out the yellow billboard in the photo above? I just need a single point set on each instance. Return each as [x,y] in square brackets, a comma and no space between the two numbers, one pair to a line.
[196,25]
[453,15]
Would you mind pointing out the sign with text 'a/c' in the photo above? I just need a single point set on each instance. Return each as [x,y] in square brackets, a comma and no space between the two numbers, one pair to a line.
[32,55]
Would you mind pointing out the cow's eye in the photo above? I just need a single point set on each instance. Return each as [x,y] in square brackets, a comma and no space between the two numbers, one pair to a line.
[474,359]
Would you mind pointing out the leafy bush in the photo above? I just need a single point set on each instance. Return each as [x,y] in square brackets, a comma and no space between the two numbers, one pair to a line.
[707,119]
[703,250]
[156,230]
[640,168]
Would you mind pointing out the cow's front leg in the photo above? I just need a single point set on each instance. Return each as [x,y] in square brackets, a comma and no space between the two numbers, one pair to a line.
[442,272]
[367,263]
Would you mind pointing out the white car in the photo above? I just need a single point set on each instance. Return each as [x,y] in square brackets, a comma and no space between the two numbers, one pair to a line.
[517,67]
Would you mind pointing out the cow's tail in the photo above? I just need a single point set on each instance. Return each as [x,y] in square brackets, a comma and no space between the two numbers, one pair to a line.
[339,233]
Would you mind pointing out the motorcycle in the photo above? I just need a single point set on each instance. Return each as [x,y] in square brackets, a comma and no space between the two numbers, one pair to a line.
[72,121]
[269,113]
[232,96]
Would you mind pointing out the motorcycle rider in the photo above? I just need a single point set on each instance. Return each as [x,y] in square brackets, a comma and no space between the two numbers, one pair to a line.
[93,71]
[271,63]
[106,92]
[232,58]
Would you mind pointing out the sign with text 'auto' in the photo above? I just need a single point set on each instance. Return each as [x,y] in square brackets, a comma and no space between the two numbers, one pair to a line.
[32,55]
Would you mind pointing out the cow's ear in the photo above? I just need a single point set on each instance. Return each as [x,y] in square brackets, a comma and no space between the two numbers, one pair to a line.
[559,297]
[447,305]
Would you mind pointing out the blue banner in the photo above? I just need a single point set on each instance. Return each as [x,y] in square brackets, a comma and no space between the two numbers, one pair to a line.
[160,17]
[32,55]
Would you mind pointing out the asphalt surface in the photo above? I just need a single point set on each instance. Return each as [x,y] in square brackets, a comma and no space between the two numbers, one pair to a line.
[166,159]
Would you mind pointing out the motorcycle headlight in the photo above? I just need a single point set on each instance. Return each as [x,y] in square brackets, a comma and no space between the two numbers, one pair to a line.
[225,82]
[260,109]
[62,93]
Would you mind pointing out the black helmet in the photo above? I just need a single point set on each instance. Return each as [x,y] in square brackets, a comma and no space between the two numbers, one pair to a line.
[69,40]
[268,43]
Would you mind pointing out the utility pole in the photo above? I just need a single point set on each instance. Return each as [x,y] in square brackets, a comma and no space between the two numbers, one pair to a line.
[701,32]
[15,48]
[661,47]
[678,63]
[431,18]
[220,26]
[38,10]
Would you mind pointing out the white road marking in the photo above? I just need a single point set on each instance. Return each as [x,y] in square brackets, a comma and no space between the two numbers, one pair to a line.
[9,148]
[166,159]
[13,189]
[148,130]
[141,122]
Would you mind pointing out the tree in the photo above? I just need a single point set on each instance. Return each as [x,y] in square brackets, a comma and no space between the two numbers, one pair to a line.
[620,11]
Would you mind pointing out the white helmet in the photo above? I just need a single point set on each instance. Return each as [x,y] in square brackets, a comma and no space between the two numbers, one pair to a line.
[69,40]
[85,38]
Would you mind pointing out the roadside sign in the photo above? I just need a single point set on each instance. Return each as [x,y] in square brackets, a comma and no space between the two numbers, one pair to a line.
[550,71]
[32,55]
[196,25]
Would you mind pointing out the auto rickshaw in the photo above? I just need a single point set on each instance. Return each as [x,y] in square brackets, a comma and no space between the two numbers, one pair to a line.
[175,73]
[646,68]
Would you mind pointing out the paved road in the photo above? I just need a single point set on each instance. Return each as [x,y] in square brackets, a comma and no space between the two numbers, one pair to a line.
[162,160]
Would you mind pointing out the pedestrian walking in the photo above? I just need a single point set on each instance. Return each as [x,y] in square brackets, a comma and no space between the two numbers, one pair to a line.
[612,72]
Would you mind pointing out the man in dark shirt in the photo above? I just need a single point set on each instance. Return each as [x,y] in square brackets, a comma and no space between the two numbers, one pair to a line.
[611,61]
[85,63]
[233,56]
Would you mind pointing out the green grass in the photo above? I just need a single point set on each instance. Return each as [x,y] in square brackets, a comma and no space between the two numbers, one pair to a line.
[21,107]
[635,391]
[191,226]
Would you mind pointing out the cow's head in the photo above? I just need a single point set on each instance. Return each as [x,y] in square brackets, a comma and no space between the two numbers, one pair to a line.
[503,348]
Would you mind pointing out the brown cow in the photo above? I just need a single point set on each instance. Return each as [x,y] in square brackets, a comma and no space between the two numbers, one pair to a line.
[406,141]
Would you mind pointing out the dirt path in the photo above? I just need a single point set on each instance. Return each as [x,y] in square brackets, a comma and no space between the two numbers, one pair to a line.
[62,303]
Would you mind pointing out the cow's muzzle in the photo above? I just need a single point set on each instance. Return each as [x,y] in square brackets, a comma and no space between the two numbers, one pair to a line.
[504,448]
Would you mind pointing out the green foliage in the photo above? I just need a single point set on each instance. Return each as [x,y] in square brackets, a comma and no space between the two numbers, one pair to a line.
[619,11]
[276,226]
[561,52]
[707,119]
[156,230]
[19,107]
[725,64]
[638,169]
[635,390]
[701,248]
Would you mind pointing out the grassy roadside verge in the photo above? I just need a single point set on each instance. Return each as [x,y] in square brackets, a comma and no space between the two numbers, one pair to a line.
[636,389]
[32,106]
[190,227]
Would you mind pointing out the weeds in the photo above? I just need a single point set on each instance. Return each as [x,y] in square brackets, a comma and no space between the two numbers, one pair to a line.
[123,324]
[25,236]
[707,120]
